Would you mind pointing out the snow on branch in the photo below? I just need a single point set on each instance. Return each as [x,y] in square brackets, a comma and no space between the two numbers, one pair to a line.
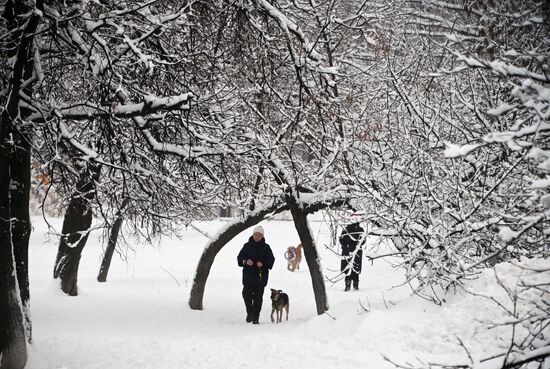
[149,105]
[455,151]
[289,27]
[185,152]
[502,68]
[70,137]
[506,136]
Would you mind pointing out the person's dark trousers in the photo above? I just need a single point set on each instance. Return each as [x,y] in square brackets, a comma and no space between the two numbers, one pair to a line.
[253,296]
[352,277]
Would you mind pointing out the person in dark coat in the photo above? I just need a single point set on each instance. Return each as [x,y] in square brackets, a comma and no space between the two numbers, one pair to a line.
[256,259]
[352,241]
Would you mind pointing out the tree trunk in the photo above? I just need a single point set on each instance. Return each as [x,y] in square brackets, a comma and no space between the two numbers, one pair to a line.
[212,249]
[20,177]
[13,349]
[214,246]
[256,188]
[15,147]
[111,245]
[76,225]
[310,251]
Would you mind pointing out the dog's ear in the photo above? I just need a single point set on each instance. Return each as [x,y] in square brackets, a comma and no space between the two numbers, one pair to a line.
[272,290]
[280,291]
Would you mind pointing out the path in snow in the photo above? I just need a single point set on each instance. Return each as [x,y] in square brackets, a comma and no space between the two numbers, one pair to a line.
[140,317]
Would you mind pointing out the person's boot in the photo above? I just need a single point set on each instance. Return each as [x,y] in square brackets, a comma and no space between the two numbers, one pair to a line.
[355,285]
[348,286]
[248,318]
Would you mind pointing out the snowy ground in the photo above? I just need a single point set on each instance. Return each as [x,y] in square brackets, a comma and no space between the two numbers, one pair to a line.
[140,317]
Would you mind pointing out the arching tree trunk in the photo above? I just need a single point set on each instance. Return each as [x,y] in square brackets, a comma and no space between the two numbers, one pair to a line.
[111,245]
[234,228]
[76,225]
[310,251]
[214,246]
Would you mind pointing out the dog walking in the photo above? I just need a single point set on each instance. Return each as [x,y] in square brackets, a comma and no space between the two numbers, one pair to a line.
[256,259]
[293,255]
[279,302]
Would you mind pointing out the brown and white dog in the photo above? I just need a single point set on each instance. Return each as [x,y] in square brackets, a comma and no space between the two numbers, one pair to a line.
[279,301]
[293,255]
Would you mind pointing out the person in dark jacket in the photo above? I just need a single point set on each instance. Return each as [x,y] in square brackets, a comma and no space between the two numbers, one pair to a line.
[352,241]
[256,259]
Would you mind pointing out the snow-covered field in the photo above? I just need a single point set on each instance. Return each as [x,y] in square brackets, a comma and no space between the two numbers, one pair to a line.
[140,318]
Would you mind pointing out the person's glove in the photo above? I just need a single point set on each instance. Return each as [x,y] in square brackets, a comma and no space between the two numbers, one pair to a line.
[249,262]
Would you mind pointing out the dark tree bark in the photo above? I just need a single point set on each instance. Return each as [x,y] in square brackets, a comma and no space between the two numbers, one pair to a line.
[212,249]
[76,225]
[299,217]
[111,245]
[15,187]
[13,349]
[20,172]
[256,188]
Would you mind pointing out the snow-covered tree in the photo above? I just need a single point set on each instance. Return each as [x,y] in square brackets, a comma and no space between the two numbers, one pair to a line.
[150,101]
[467,182]
[19,24]
[441,88]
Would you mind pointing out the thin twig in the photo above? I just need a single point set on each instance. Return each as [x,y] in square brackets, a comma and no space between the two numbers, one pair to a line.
[333,318]
[171,275]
